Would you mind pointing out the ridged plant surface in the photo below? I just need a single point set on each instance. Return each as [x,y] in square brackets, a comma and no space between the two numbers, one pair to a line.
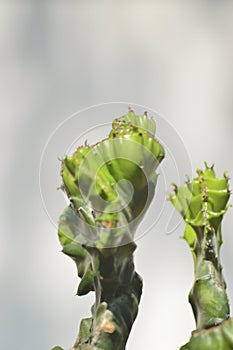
[203,202]
[110,186]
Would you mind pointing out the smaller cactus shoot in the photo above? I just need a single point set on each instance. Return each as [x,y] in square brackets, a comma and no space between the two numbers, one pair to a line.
[110,186]
[203,202]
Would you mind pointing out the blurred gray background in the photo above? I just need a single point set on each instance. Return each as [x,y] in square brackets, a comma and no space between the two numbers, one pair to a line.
[58,57]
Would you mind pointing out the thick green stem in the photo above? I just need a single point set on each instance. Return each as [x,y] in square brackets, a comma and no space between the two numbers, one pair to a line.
[208,295]
[118,290]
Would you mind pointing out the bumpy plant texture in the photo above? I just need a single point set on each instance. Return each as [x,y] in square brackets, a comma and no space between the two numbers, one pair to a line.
[110,185]
[202,202]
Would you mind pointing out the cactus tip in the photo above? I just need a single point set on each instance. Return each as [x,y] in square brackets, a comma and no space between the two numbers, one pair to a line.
[208,167]
[199,172]
[225,174]
[175,187]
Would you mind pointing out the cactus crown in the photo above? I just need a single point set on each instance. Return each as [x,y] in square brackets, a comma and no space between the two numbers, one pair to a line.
[202,202]
[110,184]
[203,198]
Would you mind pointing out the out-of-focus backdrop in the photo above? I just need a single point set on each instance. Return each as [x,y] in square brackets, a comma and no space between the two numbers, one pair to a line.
[58,57]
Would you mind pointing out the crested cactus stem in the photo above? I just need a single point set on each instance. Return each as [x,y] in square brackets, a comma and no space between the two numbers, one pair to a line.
[110,186]
[118,291]
[203,202]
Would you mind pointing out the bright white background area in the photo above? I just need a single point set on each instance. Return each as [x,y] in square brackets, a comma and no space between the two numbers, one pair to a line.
[58,57]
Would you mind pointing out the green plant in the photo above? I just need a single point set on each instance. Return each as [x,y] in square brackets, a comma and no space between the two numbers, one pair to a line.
[203,202]
[110,186]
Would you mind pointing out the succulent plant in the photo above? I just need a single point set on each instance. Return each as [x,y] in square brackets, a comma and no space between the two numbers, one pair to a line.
[203,202]
[110,186]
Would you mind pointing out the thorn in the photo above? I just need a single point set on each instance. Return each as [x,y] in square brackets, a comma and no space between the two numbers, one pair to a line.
[62,159]
[207,167]
[146,113]
[175,187]
[188,179]
[227,177]
[61,187]
[199,172]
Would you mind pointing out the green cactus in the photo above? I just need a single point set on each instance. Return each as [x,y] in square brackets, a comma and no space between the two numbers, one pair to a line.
[202,202]
[110,185]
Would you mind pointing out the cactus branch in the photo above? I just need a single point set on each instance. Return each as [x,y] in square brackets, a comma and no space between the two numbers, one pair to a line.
[203,202]
[110,186]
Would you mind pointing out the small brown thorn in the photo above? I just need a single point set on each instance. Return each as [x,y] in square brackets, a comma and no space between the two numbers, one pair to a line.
[199,172]
[175,187]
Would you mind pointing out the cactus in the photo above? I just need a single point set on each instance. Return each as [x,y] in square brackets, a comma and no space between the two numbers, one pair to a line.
[110,186]
[203,202]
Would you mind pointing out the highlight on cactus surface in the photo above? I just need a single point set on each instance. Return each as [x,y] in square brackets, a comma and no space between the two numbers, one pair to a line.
[203,202]
[110,186]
